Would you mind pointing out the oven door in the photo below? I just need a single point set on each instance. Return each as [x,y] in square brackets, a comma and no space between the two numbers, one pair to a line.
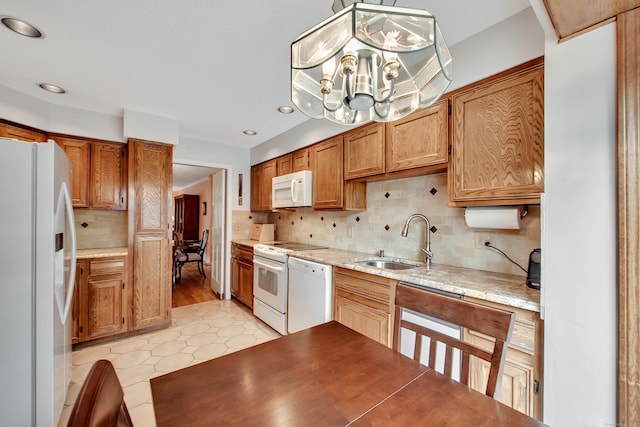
[270,283]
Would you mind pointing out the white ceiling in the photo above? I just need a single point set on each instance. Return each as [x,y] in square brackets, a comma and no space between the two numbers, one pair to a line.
[217,67]
[188,175]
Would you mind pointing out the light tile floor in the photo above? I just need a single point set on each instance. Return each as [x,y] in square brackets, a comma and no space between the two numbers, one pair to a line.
[199,332]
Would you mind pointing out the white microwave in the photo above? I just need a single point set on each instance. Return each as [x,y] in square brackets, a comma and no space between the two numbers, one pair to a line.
[291,190]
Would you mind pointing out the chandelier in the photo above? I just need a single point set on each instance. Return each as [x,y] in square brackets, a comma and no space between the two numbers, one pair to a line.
[369,62]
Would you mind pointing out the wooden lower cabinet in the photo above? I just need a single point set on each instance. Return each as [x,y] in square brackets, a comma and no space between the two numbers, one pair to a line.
[99,301]
[364,303]
[242,273]
[521,378]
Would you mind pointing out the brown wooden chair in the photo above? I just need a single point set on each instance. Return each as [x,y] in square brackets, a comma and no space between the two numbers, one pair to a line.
[489,321]
[100,402]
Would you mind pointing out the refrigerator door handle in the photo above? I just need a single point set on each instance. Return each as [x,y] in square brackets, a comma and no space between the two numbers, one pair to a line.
[64,193]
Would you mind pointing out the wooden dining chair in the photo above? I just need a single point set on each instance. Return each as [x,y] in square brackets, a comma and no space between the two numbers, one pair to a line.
[100,402]
[195,254]
[489,321]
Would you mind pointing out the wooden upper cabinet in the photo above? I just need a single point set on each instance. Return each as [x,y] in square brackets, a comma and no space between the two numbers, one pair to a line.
[300,160]
[99,173]
[23,134]
[364,151]
[79,153]
[330,191]
[284,165]
[109,176]
[420,139]
[261,176]
[327,173]
[498,142]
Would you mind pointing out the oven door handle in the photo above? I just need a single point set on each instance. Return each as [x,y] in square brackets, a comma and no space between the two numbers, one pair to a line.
[277,267]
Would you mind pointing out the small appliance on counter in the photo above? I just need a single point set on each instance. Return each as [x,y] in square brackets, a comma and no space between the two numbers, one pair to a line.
[533,273]
[262,232]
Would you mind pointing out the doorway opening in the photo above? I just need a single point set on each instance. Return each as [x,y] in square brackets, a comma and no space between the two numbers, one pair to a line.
[204,186]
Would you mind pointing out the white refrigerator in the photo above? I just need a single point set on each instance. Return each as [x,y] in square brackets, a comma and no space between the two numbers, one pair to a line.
[37,259]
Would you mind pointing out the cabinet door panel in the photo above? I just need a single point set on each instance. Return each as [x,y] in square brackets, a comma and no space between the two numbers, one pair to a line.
[152,293]
[365,320]
[108,176]
[364,151]
[420,139]
[327,174]
[246,283]
[516,379]
[78,153]
[300,160]
[105,315]
[152,187]
[284,165]
[498,140]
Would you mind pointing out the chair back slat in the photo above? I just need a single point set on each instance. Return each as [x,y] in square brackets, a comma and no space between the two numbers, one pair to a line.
[490,321]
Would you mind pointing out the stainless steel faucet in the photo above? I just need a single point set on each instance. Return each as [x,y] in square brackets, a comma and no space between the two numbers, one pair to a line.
[427,249]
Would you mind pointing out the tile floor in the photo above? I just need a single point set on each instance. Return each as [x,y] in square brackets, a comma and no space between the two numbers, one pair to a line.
[199,332]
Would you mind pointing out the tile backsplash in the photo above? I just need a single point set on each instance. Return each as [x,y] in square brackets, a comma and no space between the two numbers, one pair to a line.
[104,228]
[389,203]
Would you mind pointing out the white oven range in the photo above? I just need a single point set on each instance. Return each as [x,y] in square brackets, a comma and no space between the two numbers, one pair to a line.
[270,281]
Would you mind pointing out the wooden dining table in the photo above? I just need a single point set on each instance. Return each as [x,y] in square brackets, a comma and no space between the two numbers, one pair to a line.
[328,375]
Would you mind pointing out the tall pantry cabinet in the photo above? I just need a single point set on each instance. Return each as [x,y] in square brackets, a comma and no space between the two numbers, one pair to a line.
[150,173]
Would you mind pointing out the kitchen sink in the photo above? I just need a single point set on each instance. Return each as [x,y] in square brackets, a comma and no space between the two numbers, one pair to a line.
[390,265]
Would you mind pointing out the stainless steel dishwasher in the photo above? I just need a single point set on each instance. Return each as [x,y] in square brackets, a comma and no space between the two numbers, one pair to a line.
[310,294]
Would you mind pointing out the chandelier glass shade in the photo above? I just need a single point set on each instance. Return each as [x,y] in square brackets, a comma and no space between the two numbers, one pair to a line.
[369,62]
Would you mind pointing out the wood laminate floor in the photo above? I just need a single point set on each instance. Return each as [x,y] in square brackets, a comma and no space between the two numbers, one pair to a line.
[192,288]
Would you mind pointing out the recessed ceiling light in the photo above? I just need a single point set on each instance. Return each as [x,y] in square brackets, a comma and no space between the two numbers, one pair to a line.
[250,132]
[51,88]
[285,109]
[22,27]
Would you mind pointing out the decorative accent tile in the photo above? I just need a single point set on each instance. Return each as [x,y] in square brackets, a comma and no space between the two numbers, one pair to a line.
[357,219]
[334,225]
[311,236]
[433,229]
[387,194]
[386,227]
[433,191]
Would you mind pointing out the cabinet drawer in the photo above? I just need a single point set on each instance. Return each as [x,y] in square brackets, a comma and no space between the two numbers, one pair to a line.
[106,266]
[523,337]
[369,285]
[362,300]
[242,252]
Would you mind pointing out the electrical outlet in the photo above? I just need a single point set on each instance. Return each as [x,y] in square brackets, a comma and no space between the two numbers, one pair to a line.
[482,238]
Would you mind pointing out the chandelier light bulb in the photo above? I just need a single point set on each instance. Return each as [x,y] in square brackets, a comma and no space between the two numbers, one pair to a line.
[369,62]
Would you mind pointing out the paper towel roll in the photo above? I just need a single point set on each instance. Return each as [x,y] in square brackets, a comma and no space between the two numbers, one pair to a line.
[504,217]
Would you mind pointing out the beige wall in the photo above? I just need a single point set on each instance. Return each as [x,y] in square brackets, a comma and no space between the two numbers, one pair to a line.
[453,243]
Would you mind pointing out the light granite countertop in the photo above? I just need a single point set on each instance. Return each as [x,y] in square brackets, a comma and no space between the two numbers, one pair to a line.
[506,289]
[101,252]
